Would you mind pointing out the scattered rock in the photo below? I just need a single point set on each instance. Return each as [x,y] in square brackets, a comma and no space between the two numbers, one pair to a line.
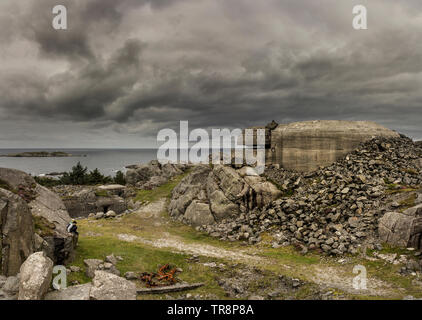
[91,266]
[131,275]
[11,286]
[75,269]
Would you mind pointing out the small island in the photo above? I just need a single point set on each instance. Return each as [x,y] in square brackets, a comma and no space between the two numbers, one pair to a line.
[38,154]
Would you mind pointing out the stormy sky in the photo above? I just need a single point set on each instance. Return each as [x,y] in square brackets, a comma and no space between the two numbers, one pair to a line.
[126,69]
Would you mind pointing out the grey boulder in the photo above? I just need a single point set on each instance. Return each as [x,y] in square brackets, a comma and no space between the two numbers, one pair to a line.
[107,286]
[35,277]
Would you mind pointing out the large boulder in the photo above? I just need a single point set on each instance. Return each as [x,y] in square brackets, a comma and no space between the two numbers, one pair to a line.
[403,229]
[16,232]
[107,286]
[79,292]
[199,214]
[210,195]
[49,214]
[35,277]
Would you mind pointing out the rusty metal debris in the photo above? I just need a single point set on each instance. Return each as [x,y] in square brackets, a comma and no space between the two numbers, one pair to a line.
[168,289]
[164,277]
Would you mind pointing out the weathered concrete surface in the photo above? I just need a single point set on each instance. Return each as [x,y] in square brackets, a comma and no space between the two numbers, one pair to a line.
[304,146]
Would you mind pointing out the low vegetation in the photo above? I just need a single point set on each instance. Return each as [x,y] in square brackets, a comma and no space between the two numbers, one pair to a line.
[163,191]
[79,175]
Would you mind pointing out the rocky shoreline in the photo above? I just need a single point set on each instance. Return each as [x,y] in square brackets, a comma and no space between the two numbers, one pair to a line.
[39,154]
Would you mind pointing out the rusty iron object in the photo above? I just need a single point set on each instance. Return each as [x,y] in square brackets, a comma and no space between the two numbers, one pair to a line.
[164,277]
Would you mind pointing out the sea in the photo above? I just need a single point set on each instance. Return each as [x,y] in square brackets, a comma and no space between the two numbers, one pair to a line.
[108,161]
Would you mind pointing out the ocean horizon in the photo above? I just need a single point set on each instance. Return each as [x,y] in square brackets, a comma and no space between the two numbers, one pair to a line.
[107,160]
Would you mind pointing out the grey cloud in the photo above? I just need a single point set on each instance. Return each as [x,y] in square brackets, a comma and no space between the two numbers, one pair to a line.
[135,67]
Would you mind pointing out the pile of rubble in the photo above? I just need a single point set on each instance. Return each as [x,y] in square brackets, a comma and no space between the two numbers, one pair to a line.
[336,208]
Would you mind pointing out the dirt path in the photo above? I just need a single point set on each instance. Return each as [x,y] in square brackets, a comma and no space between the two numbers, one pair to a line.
[323,275]
[154,212]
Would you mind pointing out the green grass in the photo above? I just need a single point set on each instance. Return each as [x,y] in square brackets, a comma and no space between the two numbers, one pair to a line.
[289,255]
[163,191]
[408,202]
[4,185]
[101,193]
[43,227]
[141,258]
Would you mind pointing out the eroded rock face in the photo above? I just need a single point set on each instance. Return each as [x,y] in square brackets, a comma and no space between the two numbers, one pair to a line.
[48,212]
[152,175]
[35,277]
[107,286]
[403,229]
[89,200]
[209,195]
[16,232]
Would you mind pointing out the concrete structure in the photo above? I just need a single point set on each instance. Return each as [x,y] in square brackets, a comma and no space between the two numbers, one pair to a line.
[304,146]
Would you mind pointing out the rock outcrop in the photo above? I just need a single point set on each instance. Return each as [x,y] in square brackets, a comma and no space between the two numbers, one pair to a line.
[35,277]
[82,201]
[16,232]
[152,175]
[107,286]
[48,213]
[402,229]
[210,195]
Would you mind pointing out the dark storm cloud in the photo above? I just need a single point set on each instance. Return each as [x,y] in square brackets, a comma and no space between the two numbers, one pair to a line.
[134,67]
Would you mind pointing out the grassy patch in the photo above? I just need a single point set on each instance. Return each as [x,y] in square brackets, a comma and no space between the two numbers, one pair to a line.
[43,227]
[141,258]
[163,191]
[4,185]
[408,202]
[289,255]
[101,193]
[399,189]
